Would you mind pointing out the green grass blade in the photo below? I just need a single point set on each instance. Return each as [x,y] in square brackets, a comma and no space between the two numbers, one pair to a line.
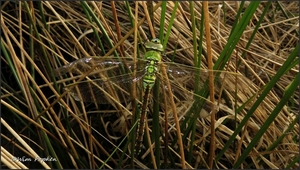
[95,18]
[268,122]
[267,89]
[235,36]
[156,99]
[197,78]
[162,20]
[166,38]
[85,9]
[293,164]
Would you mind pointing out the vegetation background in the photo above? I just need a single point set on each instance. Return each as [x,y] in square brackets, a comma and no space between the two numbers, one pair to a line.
[256,125]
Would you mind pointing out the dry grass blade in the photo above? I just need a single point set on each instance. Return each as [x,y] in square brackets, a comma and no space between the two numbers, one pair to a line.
[33,154]
[211,83]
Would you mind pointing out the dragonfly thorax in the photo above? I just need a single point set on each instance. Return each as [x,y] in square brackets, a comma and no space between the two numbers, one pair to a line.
[150,77]
[153,56]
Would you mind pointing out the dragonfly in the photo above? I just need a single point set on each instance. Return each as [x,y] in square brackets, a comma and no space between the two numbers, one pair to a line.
[116,75]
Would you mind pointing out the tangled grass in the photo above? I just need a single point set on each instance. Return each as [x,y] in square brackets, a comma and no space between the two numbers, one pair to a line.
[257,122]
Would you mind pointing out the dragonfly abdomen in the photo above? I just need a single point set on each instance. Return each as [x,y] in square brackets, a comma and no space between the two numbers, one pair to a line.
[141,123]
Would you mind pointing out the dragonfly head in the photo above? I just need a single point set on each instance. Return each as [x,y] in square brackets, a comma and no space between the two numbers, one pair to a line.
[154,44]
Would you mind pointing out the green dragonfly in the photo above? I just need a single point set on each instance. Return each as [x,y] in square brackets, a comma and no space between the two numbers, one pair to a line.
[116,75]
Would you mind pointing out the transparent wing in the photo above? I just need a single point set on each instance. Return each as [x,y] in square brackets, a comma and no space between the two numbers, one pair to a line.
[182,79]
[100,64]
[102,91]
[185,76]
[107,80]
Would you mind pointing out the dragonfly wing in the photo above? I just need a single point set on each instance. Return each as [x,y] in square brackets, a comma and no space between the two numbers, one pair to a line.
[185,76]
[183,82]
[109,75]
[100,64]
[104,91]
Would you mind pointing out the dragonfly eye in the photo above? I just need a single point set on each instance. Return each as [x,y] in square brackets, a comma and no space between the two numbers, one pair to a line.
[156,40]
[154,44]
